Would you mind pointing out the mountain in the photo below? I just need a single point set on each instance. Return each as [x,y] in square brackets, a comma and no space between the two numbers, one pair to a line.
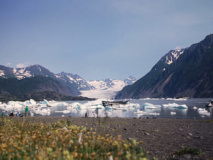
[36,81]
[22,83]
[75,80]
[106,88]
[27,72]
[27,88]
[180,73]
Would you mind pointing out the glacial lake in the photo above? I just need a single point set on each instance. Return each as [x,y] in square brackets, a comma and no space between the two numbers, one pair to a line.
[158,108]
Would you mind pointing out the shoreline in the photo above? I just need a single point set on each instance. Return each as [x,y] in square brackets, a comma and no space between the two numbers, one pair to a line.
[161,138]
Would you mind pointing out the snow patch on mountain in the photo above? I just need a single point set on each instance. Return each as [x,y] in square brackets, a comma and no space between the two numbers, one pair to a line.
[75,79]
[21,73]
[2,73]
[173,56]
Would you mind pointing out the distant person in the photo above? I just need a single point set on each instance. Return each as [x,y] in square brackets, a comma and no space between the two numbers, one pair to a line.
[86,115]
[11,114]
[3,114]
[96,111]
[26,111]
[6,114]
[17,114]
[20,115]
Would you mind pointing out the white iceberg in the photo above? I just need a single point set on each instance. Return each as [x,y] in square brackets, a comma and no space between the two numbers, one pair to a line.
[64,111]
[203,112]
[173,113]
[151,106]
[175,105]
[194,108]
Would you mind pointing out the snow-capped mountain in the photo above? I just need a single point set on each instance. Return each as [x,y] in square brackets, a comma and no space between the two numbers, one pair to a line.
[27,72]
[179,73]
[65,83]
[76,80]
[36,79]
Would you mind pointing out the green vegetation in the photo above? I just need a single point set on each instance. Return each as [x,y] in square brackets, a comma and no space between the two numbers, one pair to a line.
[186,150]
[22,139]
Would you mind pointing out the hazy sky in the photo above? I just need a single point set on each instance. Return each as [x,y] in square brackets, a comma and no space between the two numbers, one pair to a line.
[99,39]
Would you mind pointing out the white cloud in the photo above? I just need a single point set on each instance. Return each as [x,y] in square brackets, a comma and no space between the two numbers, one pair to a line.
[8,64]
[177,47]
[21,65]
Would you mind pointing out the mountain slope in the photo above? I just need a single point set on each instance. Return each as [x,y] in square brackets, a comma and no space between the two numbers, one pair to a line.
[75,80]
[27,87]
[188,75]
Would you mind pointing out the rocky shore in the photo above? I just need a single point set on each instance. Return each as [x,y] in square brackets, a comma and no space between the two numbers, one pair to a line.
[162,138]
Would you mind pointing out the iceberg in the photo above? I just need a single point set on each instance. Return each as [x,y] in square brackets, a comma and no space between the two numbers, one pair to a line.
[140,112]
[45,108]
[173,113]
[194,108]
[203,112]
[151,106]
[175,105]
[64,111]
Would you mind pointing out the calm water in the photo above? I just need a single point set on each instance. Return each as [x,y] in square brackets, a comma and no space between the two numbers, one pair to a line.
[159,108]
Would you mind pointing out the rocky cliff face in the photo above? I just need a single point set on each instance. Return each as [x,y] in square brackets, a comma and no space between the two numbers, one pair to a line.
[180,73]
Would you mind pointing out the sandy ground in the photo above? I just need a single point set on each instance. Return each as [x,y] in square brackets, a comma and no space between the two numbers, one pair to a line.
[161,137]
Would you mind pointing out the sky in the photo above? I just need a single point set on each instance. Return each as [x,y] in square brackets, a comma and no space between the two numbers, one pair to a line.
[99,39]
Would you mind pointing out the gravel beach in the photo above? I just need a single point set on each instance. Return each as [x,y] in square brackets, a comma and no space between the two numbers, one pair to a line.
[162,138]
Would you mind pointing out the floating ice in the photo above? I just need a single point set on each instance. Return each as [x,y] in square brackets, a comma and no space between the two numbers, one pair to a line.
[194,108]
[153,114]
[175,105]
[151,106]
[173,113]
[44,108]
[203,112]
[140,112]
[176,99]
[76,106]
[64,111]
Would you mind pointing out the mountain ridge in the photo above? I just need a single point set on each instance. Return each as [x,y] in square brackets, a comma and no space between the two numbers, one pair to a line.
[188,76]
[63,83]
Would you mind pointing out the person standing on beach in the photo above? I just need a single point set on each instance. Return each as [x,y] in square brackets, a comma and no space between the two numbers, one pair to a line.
[3,113]
[17,114]
[26,111]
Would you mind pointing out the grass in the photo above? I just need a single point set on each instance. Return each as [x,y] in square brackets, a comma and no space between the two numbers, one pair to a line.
[21,139]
